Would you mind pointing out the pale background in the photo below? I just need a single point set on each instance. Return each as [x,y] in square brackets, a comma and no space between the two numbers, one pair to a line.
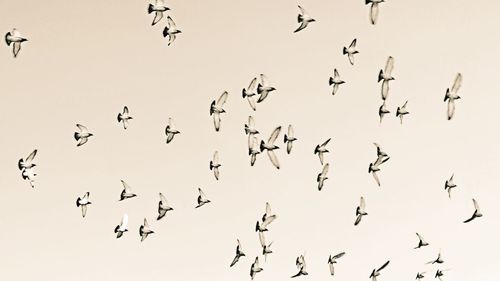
[85,60]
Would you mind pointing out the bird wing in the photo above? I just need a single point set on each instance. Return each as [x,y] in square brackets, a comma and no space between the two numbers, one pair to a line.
[274,135]
[124,222]
[420,237]
[202,194]
[290,131]
[268,209]
[262,239]
[389,65]
[216,157]
[82,141]
[358,219]
[171,123]
[404,105]
[374,13]
[82,128]
[332,269]
[385,89]
[171,23]
[217,121]
[126,187]
[251,122]
[252,102]
[326,142]
[263,78]
[146,223]
[476,205]
[321,157]
[251,86]
[222,99]
[302,11]
[451,108]
[351,58]
[31,156]
[383,266]
[339,255]
[163,199]
[353,43]
[457,83]
[16,47]
[362,203]
[269,220]
[86,196]
[303,25]
[273,158]
[125,110]
[289,146]
[375,176]
[325,169]
[336,74]
[157,18]
[84,210]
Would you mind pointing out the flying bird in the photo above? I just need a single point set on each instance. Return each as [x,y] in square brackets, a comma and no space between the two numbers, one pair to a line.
[263,88]
[452,95]
[373,9]
[420,275]
[439,259]
[216,109]
[304,19]
[321,149]
[267,218]
[266,248]
[170,30]
[158,7]
[249,93]
[215,165]
[163,207]
[385,76]
[122,227]
[144,230]
[14,38]
[351,51]
[440,273]
[360,211]
[477,212]
[374,167]
[401,111]
[27,163]
[376,272]
[29,175]
[253,150]
[250,127]
[382,110]
[126,192]
[170,130]
[300,262]
[449,185]
[83,135]
[270,147]
[335,81]
[421,242]
[124,117]
[332,260]
[380,152]
[254,269]
[83,202]
[202,199]
[289,139]
[239,253]
[322,176]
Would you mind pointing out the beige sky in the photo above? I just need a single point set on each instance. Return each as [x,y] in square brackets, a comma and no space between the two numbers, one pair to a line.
[85,60]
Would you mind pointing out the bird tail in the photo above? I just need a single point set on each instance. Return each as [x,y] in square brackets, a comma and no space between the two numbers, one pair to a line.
[257,226]
[380,75]
[330,81]
[211,165]
[397,112]
[77,136]
[244,93]
[119,117]
[165,31]
[116,228]
[150,8]
[77,202]
[285,138]
[6,39]
[344,51]
[247,130]
[262,146]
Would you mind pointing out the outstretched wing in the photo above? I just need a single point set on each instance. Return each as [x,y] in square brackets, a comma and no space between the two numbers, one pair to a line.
[274,135]
[126,187]
[82,128]
[124,221]
[389,65]
[383,266]
[273,158]
[457,83]
[222,99]
[353,43]
[31,156]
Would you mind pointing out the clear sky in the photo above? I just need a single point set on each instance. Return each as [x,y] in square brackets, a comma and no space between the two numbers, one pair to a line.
[85,60]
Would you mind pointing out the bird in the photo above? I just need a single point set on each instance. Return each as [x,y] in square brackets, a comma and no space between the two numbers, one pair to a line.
[374,167]
[239,254]
[250,127]
[385,76]
[439,259]
[376,272]
[332,260]
[421,242]
[304,19]
[158,7]
[163,207]
[449,185]
[253,150]
[351,51]
[401,111]
[249,93]
[420,275]
[382,110]
[216,109]
[126,192]
[373,9]
[170,30]
[289,138]
[321,149]
[29,175]
[122,227]
[124,117]
[202,199]
[380,152]
[360,211]
[83,202]
[144,230]
[14,37]
[266,248]
[255,268]
[267,218]
[322,176]
[263,88]
[270,147]
[215,165]
[440,273]
[83,135]
[452,95]
[300,262]
[27,163]
[170,130]
[335,81]
[477,212]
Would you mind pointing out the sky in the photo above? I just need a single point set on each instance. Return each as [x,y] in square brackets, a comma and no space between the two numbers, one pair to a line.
[85,60]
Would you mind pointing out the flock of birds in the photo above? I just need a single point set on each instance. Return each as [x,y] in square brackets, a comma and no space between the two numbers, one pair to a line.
[256,92]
